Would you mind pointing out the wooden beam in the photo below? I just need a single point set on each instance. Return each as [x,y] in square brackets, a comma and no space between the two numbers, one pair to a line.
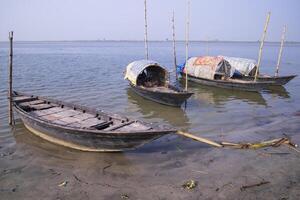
[174,45]
[199,139]
[187,42]
[261,45]
[280,51]
[146,30]
[10,70]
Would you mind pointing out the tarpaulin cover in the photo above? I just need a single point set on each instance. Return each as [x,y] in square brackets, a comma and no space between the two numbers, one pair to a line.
[208,66]
[134,69]
[242,65]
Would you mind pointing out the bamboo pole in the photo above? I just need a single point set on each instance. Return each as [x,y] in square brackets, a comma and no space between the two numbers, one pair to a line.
[261,45]
[200,139]
[146,31]
[280,51]
[187,42]
[174,45]
[10,65]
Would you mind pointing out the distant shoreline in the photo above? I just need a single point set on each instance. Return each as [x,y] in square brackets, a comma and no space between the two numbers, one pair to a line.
[193,41]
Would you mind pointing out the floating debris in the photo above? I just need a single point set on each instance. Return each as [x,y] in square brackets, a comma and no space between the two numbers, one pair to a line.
[269,143]
[244,187]
[63,184]
[190,184]
[202,172]
[124,196]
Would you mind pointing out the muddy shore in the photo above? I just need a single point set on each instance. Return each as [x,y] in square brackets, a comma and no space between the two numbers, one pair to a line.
[31,168]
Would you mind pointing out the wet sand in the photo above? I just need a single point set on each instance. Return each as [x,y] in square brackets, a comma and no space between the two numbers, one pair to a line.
[34,169]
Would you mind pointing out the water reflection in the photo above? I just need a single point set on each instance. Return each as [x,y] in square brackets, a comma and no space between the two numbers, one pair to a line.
[175,116]
[278,91]
[219,96]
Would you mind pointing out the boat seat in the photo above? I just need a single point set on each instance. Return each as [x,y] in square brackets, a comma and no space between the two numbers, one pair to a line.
[41,113]
[21,99]
[117,126]
[29,103]
[102,125]
[33,107]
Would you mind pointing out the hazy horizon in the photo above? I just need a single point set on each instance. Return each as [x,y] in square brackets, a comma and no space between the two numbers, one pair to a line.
[117,20]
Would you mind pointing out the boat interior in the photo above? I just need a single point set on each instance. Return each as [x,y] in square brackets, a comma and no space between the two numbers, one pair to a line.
[155,79]
[77,117]
[152,76]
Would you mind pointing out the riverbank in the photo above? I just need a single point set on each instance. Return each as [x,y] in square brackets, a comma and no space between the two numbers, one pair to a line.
[34,169]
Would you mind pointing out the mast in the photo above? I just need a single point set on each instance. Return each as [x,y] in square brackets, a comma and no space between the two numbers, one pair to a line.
[146,32]
[10,65]
[174,45]
[187,41]
[261,45]
[280,51]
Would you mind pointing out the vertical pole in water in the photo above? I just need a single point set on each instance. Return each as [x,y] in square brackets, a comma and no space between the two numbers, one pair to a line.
[174,45]
[280,52]
[261,45]
[146,33]
[187,42]
[10,109]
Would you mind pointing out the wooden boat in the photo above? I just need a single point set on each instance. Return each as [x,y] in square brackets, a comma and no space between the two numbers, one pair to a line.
[273,80]
[246,69]
[83,128]
[236,84]
[150,80]
[216,71]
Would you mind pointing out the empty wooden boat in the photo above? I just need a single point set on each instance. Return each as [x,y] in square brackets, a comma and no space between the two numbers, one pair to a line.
[83,128]
[216,71]
[150,80]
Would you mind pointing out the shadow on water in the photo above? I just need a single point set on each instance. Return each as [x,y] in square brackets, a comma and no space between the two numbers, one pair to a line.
[278,91]
[173,115]
[218,96]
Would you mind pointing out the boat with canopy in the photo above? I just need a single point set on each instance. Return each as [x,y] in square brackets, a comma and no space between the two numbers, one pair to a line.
[150,80]
[245,70]
[216,71]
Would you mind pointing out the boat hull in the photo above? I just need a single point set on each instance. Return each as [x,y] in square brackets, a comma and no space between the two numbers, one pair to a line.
[250,86]
[88,140]
[170,99]
[279,80]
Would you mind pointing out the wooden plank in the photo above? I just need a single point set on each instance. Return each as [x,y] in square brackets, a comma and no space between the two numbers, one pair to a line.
[35,102]
[51,117]
[84,116]
[69,113]
[19,99]
[118,126]
[59,122]
[70,120]
[41,106]
[75,125]
[91,122]
[135,127]
[102,125]
[60,114]
[49,111]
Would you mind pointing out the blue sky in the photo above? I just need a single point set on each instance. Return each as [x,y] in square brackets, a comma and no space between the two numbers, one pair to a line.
[236,20]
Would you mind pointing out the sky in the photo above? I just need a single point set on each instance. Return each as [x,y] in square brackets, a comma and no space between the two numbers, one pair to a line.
[229,20]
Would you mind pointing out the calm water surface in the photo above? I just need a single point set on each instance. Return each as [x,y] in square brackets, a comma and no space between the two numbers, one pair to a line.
[91,73]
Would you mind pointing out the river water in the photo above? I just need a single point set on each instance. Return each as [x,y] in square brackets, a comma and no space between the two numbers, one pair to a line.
[91,73]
